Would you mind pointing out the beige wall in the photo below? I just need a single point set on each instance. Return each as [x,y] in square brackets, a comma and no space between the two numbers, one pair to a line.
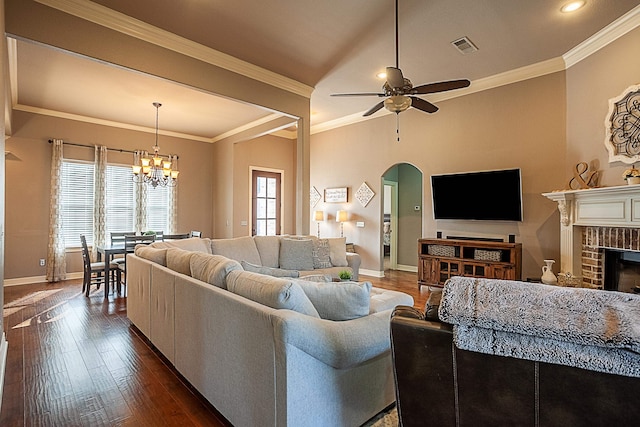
[521,125]
[590,84]
[266,153]
[28,187]
[4,89]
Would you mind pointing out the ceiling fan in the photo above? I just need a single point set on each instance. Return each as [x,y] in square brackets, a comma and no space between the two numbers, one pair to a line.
[399,90]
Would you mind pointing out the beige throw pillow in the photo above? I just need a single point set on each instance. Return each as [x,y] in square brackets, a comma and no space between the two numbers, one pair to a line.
[338,251]
[178,260]
[159,256]
[212,269]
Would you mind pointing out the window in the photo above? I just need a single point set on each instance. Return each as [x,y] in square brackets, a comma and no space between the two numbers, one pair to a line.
[77,202]
[120,200]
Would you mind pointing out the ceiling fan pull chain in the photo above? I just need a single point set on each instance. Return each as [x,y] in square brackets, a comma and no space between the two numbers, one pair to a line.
[398,126]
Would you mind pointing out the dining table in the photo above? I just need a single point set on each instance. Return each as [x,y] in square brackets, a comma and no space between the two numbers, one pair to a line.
[109,250]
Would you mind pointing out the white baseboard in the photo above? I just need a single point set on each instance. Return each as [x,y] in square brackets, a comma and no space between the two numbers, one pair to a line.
[4,347]
[37,279]
[370,273]
[409,268]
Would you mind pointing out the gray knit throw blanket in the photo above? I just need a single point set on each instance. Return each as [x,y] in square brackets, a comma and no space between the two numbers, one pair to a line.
[584,328]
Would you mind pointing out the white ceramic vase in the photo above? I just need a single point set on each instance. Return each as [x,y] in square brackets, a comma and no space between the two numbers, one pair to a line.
[548,278]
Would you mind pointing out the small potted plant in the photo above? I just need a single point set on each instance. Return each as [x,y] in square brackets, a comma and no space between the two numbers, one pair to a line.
[632,175]
[344,275]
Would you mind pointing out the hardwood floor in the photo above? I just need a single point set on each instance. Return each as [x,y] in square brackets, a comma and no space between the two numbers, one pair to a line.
[76,361]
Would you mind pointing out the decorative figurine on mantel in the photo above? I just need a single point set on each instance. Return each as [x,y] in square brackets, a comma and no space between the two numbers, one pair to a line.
[583,178]
[632,175]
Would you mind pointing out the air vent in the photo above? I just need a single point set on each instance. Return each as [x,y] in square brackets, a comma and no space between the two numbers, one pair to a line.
[464,45]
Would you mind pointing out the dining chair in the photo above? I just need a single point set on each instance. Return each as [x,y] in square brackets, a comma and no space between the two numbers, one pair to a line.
[176,236]
[195,233]
[130,243]
[118,237]
[94,271]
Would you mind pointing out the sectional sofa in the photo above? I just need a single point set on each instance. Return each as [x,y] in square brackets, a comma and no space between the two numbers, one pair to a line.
[265,350]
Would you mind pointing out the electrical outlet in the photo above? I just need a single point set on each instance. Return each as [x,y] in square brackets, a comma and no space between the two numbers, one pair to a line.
[42,262]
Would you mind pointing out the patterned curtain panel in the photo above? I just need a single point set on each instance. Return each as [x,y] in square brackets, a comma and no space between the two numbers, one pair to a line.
[56,260]
[173,200]
[141,197]
[99,199]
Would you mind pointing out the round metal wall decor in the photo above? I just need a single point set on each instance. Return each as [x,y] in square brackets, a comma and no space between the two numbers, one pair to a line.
[623,126]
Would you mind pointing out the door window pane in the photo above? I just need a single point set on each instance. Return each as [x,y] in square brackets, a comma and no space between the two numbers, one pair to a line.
[271,187]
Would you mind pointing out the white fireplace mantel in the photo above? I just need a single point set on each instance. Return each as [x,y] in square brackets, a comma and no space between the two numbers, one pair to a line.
[600,207]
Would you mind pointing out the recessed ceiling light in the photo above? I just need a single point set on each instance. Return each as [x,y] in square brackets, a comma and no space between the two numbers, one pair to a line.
[572,6]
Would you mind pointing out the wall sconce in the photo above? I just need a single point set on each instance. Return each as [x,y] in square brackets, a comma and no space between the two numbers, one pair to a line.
[341,217]
[318,216]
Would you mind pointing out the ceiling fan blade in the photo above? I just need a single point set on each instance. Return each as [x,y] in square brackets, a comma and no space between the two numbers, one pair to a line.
[373,109]
[423,105]
[359,94]
[440,87]
[395,77]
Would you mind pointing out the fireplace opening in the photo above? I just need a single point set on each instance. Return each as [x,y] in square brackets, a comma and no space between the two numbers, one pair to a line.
[622,271]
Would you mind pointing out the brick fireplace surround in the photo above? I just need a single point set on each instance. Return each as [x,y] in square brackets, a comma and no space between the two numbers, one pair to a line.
[594,242]
[593,220]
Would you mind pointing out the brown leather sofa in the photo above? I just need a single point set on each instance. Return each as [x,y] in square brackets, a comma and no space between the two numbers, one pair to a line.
[440,385]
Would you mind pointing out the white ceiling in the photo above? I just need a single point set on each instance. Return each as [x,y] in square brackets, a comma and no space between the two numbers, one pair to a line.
[333,45]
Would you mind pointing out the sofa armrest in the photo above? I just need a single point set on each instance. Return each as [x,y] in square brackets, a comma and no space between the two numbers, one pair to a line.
[353,261]
[340,344]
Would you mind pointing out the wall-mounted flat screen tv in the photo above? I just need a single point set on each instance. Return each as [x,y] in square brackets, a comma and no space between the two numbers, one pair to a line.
[489,195]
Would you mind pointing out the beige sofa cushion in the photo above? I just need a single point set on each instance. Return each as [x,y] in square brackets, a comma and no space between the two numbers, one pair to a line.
[178,260]
[195,244]
[159,256]
[338,251]
[296,254]
[273,292]
[269,250]
[338,300]
[212,269]
[238,248]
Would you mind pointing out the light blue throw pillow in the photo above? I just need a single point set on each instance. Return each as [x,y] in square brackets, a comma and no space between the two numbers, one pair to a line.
[338,300]
[269,271]
[274,292]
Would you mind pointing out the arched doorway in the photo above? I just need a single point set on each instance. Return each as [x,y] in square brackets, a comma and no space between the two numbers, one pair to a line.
[401,217]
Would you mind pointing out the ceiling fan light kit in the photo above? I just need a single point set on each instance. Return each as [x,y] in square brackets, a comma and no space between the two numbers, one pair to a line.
[397,104]
[400,92]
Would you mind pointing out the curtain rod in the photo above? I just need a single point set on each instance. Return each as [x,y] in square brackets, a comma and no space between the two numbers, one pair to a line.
[120,150]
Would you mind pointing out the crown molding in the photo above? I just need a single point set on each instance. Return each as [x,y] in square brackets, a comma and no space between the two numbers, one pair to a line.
[102,122]
[602,38]
[125,24]
[512,76]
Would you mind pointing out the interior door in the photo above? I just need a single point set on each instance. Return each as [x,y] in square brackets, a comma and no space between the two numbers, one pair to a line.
[266,203]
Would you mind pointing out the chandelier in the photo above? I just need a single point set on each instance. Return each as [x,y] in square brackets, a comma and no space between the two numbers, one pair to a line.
[155,170]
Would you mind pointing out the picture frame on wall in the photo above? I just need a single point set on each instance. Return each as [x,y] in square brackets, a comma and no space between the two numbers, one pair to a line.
[335,195]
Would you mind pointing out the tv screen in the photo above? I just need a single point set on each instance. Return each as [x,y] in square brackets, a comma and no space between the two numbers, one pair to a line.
[490,195]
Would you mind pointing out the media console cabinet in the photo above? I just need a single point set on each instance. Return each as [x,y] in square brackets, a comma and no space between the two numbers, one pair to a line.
[440,259]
